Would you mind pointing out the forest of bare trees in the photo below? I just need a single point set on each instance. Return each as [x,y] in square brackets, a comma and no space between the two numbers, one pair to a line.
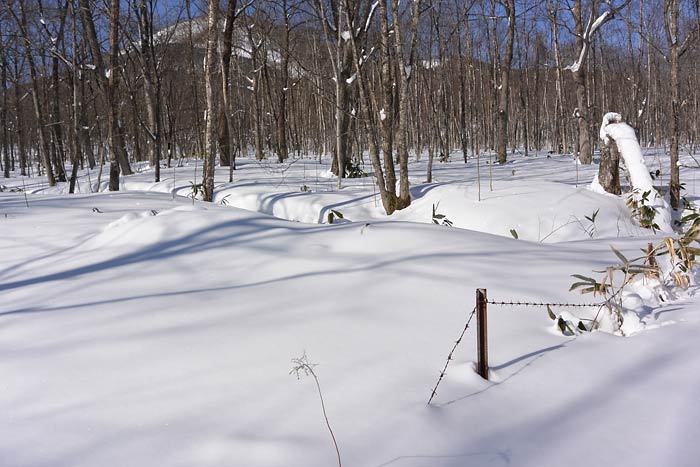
[93,84]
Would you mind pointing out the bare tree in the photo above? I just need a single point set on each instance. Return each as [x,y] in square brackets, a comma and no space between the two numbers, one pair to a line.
[22,23]
[225,114]
[504,85]
[5,146]
[346,20]
[677,47]
[210,67]
[151,83]
[584,38]
[108,81]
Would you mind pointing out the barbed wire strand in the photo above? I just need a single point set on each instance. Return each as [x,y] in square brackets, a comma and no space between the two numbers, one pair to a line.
[449,357]
[540,304]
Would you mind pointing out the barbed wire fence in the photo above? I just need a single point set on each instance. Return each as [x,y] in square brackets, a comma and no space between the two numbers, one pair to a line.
[480,310]
[544,304]
[449,357]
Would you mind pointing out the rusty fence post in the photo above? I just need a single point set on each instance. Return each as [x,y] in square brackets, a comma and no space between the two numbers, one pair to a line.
[482,366]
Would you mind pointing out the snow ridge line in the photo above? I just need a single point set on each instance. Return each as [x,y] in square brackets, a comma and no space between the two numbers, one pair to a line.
[449,357]
[537,304]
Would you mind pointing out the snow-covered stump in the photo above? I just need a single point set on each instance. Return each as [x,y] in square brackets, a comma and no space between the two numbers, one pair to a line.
[609,168]
[620,140]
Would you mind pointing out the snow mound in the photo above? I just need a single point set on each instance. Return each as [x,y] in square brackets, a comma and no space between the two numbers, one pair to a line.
[149,227]
[549,212]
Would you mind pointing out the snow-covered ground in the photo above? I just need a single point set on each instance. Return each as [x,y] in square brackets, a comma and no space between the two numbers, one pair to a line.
[141,328]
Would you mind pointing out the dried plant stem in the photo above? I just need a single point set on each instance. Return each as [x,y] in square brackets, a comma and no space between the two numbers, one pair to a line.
[302,364]
[325,417]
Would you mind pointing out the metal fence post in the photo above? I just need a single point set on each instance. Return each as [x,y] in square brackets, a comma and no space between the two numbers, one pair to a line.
[482,366]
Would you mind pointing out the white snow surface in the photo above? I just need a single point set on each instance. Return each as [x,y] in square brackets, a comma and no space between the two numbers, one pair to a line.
[141,328]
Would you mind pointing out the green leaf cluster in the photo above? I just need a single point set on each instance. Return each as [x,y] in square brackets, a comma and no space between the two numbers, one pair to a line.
[642,212]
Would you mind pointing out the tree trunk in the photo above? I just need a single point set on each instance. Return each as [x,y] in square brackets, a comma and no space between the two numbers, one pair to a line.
[38,110]
[59,152]
[112,83]
[671,23]
[283,151]
[225,115]
[76,156]
[3,111]
[388,197]
[209,84]
[504,91]
[108,86]
[609,169]
[20,124]
[581,113]
[151,87]
[405,67]
[386,113]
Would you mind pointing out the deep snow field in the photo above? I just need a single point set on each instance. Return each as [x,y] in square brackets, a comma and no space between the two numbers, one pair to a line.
[142,328]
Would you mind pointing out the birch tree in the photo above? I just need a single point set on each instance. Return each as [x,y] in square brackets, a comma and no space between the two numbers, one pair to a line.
[210,67]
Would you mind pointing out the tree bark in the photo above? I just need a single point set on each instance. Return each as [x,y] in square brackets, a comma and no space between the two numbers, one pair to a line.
[3,112]
[504,91]
[388,197]
[209,85]
[386,113]
[581,112]
[283,151]
[38,109]
[404,74]
[225,123]
[609,169]
[671,26]
[151,87]
[108,83]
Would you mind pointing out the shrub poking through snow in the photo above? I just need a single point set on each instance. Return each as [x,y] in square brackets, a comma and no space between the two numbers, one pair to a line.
[334,215]
[353,170]
[440,219]
[591,229]
[642,211]
[683,251]
[672,263]
[3,188]
[612,283]
[563,325]
[195,190]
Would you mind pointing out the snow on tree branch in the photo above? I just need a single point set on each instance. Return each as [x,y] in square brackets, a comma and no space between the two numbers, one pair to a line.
[369,17]
[591,28]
